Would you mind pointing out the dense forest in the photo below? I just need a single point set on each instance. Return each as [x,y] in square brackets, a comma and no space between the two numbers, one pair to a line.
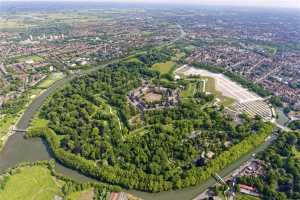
[90,129]
[282,177]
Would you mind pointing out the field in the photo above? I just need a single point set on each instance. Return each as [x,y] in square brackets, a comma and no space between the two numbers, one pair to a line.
[246,197]
[38,123]
[50,80]
[189,91]
[30,58]
[37,182]
[135,60]
[11,24]
[32,183]
[164,68]
[223,84]
[210,87]
[5,124]
[82,195]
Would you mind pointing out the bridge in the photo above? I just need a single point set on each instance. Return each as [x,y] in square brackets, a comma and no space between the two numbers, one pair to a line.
[19,131]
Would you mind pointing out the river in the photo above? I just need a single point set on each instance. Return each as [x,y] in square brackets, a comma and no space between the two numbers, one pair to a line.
[18,150]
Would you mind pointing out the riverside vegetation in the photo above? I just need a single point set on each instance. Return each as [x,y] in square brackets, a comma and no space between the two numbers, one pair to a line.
[89,127]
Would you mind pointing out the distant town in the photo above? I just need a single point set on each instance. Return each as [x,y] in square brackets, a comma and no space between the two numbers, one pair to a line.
[145,101]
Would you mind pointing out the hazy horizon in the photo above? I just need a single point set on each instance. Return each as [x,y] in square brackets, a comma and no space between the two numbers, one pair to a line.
[247,3]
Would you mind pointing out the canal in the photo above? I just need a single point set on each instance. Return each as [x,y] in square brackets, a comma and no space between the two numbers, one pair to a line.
[18,150]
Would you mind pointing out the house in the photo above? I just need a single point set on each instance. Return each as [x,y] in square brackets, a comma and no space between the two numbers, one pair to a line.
[248,190]
[118,196]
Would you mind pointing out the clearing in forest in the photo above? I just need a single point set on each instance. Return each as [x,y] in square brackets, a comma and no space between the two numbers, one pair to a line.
[164,68]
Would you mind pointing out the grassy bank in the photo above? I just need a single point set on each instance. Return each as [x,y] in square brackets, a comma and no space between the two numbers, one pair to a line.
[9,120]
[39,180]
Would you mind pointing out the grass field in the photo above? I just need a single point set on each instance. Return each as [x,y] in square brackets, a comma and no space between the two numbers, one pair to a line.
[211,88]
[5,124]
[28,58]
[81,195]
[164,68]
[189,91]
[31,183]
[11,24]
[50,80]
[137,133]
[38,123]
[246,197]
[133,59]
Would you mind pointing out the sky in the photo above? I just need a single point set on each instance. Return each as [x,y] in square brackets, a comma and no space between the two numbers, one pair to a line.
[256,3]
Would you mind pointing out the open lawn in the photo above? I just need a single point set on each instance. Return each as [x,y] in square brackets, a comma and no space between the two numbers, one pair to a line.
[31,183]
[223,84]
[81,195]
[134,60]
[164,68]
[50,80]
[152,97]
[137,133]
[189,91]
[5,124]
[30,58]
[210,87]
[246,197]
[38,123]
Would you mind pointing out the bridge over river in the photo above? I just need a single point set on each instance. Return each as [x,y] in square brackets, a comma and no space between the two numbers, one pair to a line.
[19,150]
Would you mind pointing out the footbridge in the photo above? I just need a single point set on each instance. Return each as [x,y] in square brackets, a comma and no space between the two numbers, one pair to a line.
[19,131]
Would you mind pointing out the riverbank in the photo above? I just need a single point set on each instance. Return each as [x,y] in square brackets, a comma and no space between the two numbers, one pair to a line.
[39,180]
[9,122]
[172,191]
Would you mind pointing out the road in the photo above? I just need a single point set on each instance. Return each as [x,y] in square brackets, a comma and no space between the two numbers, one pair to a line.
[232,167]
[235,165]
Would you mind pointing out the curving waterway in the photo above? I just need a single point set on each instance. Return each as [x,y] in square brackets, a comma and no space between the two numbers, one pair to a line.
[18,150]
